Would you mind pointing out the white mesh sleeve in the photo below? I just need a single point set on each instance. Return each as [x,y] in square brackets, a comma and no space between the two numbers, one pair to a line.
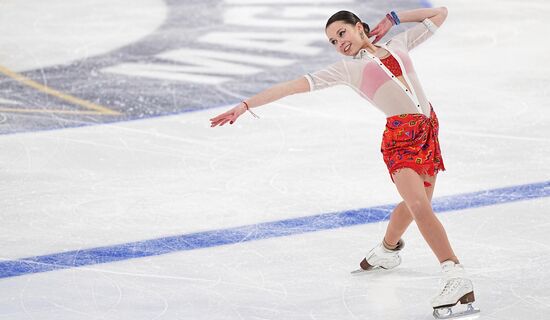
[330,76]
[416,35]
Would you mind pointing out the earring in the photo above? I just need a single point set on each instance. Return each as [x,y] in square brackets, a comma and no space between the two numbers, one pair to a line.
[362,35]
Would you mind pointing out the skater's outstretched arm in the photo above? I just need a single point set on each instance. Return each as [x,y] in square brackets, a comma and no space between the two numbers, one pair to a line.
[274,93]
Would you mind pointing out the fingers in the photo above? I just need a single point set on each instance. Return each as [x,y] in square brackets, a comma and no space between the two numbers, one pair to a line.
[219,120]
[224,118]
[213,124]
[378,33]
[221,116]
[224,121]
[379,36]
[380,30]
[216,120]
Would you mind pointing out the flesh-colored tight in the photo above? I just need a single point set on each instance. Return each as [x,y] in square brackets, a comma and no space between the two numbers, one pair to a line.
[416,205]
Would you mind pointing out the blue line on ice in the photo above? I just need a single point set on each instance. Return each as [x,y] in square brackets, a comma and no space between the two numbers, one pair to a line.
[259,231]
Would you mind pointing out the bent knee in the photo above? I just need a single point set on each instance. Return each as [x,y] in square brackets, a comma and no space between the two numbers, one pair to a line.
[420,208]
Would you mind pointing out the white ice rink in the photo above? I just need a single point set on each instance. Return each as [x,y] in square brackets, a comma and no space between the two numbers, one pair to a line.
[487,75]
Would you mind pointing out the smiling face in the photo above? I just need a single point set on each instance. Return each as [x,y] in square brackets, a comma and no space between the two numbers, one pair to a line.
[345,38]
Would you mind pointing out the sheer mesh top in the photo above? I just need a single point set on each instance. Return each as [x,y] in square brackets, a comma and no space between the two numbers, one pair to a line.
[377,81]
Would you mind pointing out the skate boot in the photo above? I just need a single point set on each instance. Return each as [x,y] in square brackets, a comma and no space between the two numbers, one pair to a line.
[380,257]
[456,287]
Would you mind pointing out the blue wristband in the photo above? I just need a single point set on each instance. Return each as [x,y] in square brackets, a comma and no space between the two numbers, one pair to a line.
[395,17]
[389,17]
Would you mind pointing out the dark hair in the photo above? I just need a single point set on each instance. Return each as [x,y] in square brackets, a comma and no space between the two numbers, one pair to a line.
[347,17]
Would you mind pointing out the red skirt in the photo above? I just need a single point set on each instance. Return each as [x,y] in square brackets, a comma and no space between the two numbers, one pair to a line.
[410,141]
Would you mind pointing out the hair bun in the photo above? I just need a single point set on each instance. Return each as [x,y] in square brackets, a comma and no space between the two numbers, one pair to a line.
[366,27]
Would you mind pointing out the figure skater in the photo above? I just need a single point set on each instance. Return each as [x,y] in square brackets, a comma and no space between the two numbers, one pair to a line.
[384,75]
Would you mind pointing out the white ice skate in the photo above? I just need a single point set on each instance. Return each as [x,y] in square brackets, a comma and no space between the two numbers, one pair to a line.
[380,257]
[455,288]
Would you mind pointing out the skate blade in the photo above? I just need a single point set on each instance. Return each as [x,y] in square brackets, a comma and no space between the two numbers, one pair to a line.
[449,313]
[361,271]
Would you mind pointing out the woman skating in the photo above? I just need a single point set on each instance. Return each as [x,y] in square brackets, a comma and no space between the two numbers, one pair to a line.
[384,76]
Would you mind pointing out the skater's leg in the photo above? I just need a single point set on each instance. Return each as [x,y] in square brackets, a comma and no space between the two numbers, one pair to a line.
[386,254]
[457,287]
[401,218]
[411,187]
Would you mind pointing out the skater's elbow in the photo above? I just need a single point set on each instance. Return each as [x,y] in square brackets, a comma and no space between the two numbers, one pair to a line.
[440,17]
[298,85]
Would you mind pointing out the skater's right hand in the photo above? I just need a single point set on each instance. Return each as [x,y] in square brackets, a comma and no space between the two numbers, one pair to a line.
[381,29]
[228,116]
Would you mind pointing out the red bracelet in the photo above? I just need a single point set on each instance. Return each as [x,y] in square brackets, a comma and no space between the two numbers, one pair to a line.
[248,109]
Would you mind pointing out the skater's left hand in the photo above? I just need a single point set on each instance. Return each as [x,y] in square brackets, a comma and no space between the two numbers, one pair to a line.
[381,29]
[229,116]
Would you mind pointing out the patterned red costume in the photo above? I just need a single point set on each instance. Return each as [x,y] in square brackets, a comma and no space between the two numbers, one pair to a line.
[410,141]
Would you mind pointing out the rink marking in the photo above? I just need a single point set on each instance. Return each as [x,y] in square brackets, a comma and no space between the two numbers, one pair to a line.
[58,94]
[267,230]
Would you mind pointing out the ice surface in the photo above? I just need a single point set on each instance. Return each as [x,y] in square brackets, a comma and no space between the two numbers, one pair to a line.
[122,182]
